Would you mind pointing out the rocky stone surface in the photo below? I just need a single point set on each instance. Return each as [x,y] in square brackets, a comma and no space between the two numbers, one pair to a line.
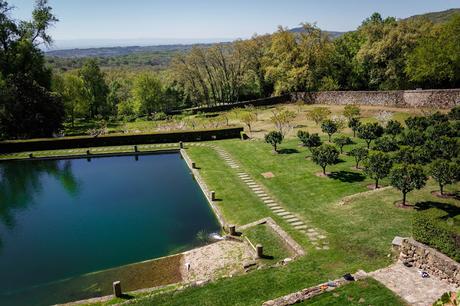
[430,260]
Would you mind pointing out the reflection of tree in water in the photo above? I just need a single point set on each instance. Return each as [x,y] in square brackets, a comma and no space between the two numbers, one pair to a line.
[20,182]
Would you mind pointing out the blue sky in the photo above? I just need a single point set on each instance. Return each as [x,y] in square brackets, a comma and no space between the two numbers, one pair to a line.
[206,19]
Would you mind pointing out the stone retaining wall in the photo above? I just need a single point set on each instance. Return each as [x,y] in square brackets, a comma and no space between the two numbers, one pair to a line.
[437,98]
[430,260]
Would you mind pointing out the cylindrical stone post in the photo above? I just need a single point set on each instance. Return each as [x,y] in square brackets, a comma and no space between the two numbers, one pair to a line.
[260,251]
[31,155]
[193,166]
[232,229]
[213,195]
[117,289]
[181,145]
[88,152]
[135,149]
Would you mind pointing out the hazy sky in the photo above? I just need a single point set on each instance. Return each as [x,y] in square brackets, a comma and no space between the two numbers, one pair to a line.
[198,19]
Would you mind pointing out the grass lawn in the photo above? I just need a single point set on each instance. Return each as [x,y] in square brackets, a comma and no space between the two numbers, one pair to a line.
[274,248]
[359,233]
[364,292]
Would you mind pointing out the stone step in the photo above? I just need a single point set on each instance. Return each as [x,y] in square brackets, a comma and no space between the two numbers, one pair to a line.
[283,213]
[301,227]
[297,223]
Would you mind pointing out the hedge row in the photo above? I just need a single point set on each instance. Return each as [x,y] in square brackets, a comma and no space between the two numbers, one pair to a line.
[117,140]
[225,107]
[429,228]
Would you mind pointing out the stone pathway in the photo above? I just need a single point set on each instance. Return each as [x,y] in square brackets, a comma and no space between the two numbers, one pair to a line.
[318,240]
[409,285]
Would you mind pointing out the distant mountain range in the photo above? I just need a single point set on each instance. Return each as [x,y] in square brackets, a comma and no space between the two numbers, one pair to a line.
[107,52]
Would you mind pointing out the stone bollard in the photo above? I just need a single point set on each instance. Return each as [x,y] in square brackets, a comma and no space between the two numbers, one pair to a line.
[88,152]
[117,289]
[181,145]
[260,251]
[213,195]
[193,166]
[31,155]
[232,230]
[135,149]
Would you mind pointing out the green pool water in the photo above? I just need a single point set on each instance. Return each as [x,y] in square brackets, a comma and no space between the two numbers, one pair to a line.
[63,218]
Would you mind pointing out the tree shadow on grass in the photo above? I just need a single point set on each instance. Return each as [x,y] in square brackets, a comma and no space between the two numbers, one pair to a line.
[288,151]
[347,176]
[451,210]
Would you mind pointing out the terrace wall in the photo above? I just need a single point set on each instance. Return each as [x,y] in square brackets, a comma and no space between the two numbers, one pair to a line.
[436,98]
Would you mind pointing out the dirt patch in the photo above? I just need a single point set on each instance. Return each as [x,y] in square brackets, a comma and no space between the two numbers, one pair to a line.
[445,195]
[399,204]
[268,175]
[223,258]
[372,187]
[356,169]
[321,174]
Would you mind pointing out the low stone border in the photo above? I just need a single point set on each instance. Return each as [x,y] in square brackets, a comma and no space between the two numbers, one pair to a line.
[308,293]
[204,187]
[348,199]
[290,243]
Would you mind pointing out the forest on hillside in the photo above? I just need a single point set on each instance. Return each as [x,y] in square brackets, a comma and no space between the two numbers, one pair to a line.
[382,54]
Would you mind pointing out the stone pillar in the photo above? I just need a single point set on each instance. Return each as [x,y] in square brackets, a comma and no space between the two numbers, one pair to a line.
[135,149]
[213,195]
[31,155]
[232,229]
[117,289]
[88,152]
[181,145]
[193,166]
[260,251]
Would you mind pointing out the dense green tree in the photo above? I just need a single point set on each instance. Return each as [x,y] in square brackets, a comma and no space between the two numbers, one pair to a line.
[318,114]
[377,166]
[27,106]
[386,144]
[444,172]
[309,140]
[354,125]
[413,138]
[454,113]
[359,154]
[417,123]
[393,128]
[369,132]
[351,111]
[274,138]
[147,93]
[329,127]
[443,147]
[96,89]
[407,177]
[325,155]
[342,141]
[70,88]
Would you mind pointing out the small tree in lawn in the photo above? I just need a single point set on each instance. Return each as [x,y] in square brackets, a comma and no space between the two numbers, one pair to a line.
[325,155]
[248,119]
[369,132]
[342,141]
[282,119]
[329,127]
[354,125]
[309,140]
[274,138]
[407,178]
[393,128]
[351,111]
[377,166]
[318,114]
[444,173]
[360,154]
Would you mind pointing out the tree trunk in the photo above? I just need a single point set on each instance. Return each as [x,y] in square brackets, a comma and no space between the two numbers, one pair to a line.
[441,187]
[376,183]
[275,148]
[324,170]
[329,137]
[404,198]
[368,144]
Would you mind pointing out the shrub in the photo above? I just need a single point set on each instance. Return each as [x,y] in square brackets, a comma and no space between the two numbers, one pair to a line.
[342,141]
[329,127]
[377,166]
[309,140]
[274,138]
[407,178]
[429,227]
[369,132]
[325,155]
